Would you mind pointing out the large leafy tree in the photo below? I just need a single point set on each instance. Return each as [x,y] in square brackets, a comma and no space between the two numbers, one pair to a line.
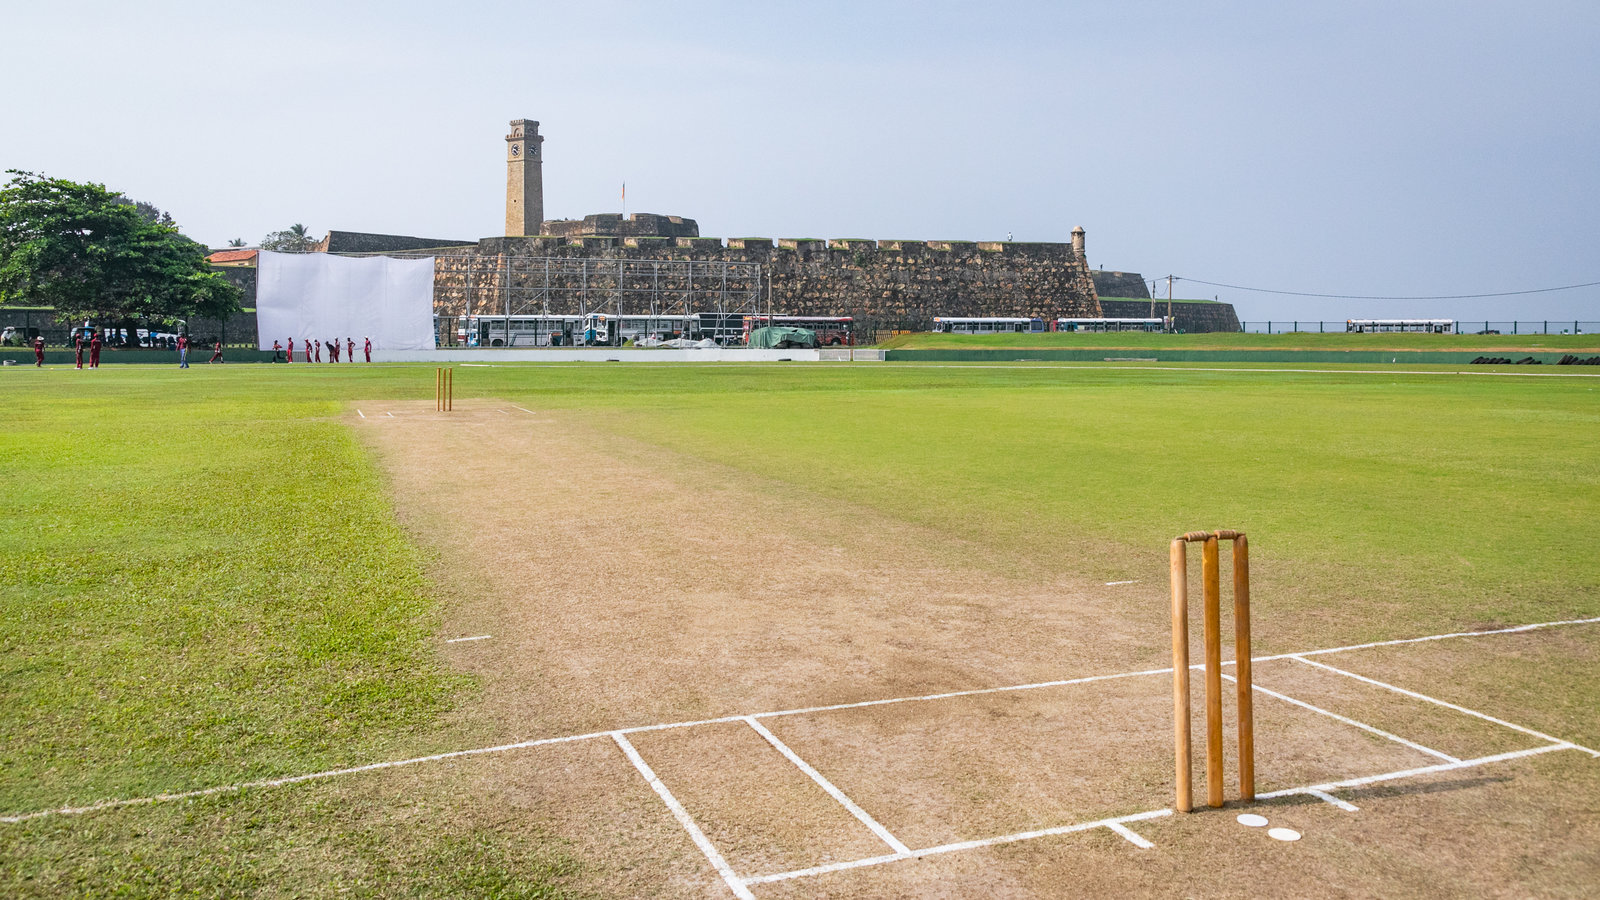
[90,253]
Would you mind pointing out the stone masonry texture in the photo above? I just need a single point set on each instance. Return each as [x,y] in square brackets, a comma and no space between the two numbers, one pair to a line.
[884,284]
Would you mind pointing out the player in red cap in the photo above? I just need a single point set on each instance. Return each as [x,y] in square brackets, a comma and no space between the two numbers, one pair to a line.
[77,346]
[368,348]
[352,348]
[291,349]
[94,350]
[318,345]
[216,355]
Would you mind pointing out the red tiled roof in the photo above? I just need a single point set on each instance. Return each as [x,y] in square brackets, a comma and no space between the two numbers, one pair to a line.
[233,256]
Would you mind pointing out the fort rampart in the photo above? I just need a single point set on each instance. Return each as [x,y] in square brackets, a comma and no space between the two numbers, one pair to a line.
[884,284]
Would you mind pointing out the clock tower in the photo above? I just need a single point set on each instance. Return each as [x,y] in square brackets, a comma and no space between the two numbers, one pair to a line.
[524,179]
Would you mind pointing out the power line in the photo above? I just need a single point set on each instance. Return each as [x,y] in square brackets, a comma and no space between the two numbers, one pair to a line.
[1238,287]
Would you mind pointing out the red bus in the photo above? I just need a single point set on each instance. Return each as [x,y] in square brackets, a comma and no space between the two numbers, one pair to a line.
[831,331]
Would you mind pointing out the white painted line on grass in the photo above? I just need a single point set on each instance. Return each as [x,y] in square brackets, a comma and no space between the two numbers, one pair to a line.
[1434,700]
[860,814]
[1348,721]
[112,804]
[1431,637]
[963,845]
[1407,773]
[972,693]
[1132,838]
[478,637]
[295,779]
[1328,798]
[684,819]
[1113,583]
[1256,369]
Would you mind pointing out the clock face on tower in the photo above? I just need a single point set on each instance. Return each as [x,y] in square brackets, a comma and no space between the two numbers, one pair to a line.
[516,150]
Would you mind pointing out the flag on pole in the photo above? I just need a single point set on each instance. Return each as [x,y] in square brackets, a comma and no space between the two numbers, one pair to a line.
[624,191]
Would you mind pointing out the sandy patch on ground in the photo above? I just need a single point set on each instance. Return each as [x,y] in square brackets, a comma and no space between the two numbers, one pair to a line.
[624,585]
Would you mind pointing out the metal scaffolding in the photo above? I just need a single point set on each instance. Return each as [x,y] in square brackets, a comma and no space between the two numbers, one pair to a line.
[541,286]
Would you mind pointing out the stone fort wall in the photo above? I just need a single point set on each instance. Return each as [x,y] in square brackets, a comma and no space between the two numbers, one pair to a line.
[1190,316]
[884,284]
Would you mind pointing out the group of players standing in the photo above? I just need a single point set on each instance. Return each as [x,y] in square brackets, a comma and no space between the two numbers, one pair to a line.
[92,342]
[314,348]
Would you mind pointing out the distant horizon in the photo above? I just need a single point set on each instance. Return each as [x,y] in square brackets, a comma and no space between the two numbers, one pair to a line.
[1449,151]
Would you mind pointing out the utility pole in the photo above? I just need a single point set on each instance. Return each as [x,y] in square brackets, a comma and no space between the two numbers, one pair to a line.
[1169,301]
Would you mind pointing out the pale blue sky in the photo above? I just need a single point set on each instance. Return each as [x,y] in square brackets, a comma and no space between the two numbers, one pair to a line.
[1372,148]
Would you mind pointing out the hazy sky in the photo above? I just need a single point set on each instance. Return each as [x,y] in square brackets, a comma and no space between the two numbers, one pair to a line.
[1366,148]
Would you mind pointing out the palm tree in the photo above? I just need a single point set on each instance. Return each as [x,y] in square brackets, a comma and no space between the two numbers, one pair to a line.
[236,242]
[301,236]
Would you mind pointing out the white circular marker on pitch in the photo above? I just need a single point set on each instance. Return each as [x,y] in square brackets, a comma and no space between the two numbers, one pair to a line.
[1284,834]
[1251,820]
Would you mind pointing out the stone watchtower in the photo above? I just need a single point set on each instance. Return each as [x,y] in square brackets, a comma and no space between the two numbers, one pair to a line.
[524,179]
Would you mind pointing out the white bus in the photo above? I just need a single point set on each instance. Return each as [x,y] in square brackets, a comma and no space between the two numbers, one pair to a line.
[1113,325]
[1431,326]
[610,330]
[518,331]
[980,325]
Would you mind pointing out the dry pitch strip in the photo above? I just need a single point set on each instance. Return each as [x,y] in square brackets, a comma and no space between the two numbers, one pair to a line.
[741,883]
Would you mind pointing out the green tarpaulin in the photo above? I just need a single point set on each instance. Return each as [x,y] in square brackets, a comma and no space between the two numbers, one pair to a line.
[780,337]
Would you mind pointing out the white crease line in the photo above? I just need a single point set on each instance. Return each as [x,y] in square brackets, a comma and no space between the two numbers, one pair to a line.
[296,779]
[1431,637]
[361,414]
[1316,790]
[860,814]
[501,411]
[963,845]
[1407,773]
[1113,583]
[110,804]
[480,637]
[972,693]
[1348,721]
[1132,838]
[528,411]
[1328,798]
[391,415]
[684,819]
[1446,705]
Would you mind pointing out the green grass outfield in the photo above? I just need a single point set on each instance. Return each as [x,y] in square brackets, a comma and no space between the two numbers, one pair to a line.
[201,581]
[1501,344]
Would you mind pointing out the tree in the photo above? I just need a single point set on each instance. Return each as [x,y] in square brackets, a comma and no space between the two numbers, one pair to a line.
[90,253]
[236,242]
[296,239]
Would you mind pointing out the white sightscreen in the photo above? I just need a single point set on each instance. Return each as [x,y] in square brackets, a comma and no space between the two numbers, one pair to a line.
[321,297]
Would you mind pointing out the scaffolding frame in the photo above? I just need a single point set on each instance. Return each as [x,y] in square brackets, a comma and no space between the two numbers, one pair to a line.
[499,285]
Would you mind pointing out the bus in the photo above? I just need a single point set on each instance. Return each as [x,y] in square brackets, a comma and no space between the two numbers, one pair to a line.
[518,331]
[831,331]
[975,325]
[611,330]
[1430,326]
[1113,325]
